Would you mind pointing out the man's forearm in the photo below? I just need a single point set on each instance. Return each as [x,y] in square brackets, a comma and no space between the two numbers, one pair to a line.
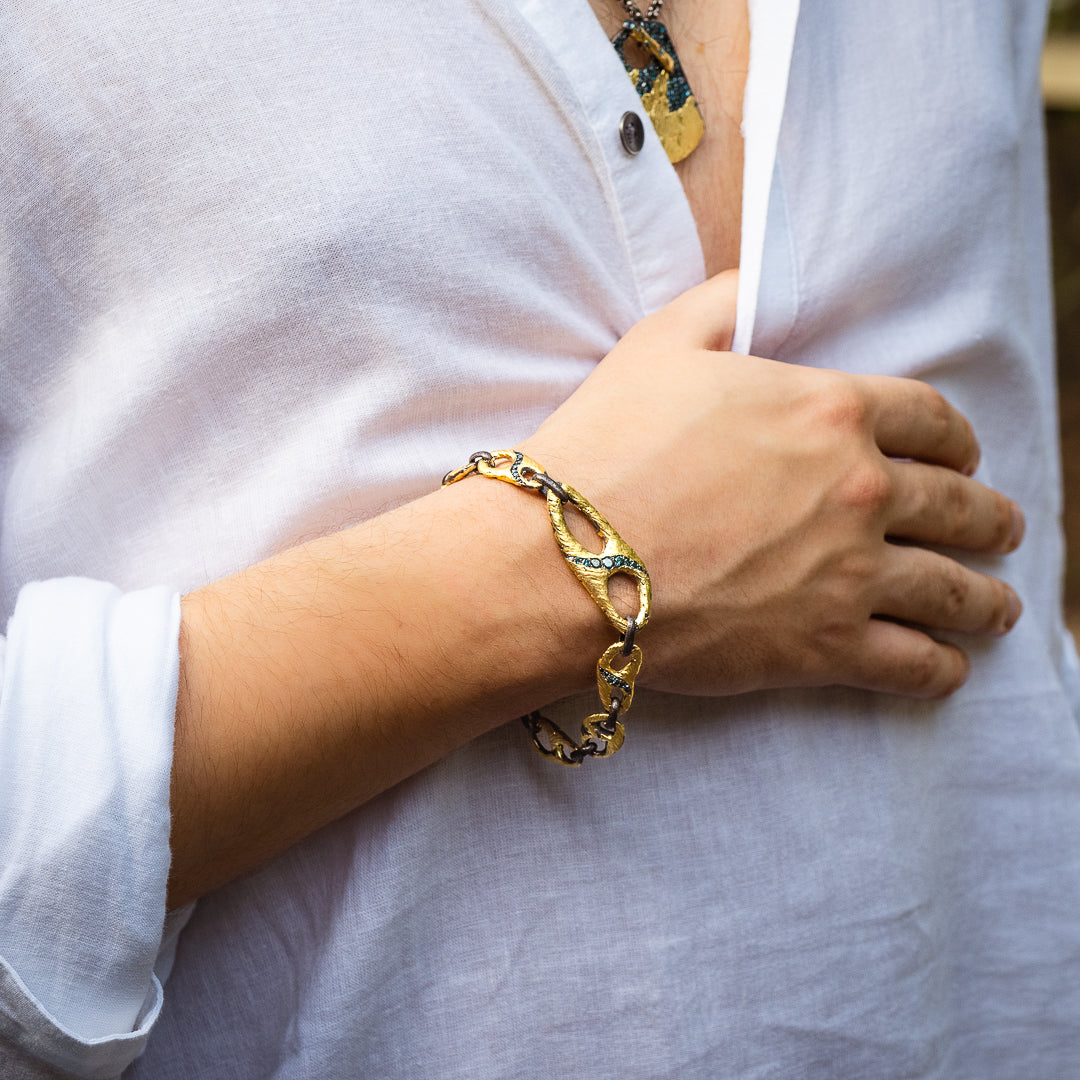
[764,498]
[323,676]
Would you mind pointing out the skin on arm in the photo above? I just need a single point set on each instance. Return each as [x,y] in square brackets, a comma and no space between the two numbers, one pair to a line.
[315,680]
[763,497]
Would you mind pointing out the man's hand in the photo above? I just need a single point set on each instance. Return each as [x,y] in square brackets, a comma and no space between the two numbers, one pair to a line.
[763,497]
[777,508]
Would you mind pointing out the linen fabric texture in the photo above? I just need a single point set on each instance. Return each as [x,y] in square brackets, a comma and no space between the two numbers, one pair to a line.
[269,269]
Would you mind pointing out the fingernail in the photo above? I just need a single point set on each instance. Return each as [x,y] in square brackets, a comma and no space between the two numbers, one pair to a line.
[1017,526]
[1012,610]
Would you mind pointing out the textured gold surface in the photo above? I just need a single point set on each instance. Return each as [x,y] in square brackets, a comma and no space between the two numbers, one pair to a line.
[651,45]
[601,733]
[513,467]
[552,742]
[593,728]
[625,674]
[679,131]
[595,579]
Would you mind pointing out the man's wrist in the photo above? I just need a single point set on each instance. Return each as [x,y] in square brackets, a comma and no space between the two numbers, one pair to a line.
[321,677]
[527,608]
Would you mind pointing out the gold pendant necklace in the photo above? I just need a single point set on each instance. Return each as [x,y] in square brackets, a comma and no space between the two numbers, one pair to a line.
[661,84]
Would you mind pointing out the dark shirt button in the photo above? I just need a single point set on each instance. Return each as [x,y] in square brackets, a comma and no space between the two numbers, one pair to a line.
[632,132]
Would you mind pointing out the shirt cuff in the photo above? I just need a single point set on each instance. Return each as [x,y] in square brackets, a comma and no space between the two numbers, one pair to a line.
[86,732]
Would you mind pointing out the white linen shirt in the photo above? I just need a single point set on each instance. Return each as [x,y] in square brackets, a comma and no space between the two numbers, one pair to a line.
[271,268]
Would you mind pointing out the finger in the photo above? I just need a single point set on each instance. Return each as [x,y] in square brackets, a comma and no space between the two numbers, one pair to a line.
[897,659]
[935,591]
[934,505]
[912,420]
[701,318]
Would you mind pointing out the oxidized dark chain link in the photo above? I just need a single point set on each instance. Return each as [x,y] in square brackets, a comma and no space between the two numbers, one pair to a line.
[602,733]
[553,486]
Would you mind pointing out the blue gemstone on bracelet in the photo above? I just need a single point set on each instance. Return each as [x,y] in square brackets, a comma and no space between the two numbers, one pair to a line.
[613,680]
[609,562]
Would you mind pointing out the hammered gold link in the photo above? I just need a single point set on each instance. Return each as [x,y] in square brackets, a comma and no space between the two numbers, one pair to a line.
[601,733]
[516,464]
[617,682]
[594,727]
[564,749]
[595,571]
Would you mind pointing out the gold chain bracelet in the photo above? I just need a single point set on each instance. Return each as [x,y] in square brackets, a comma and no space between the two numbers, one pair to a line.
[602,733]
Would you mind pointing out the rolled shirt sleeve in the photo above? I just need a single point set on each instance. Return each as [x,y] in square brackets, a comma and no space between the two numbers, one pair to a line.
[86,734]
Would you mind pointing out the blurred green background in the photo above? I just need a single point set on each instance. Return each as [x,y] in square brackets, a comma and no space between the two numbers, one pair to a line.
[1063,137]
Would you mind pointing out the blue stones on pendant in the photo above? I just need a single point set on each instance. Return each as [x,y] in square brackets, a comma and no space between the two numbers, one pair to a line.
[654,37]
[662,87]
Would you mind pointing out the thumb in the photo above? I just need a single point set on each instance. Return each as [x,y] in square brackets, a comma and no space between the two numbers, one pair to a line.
[701,318]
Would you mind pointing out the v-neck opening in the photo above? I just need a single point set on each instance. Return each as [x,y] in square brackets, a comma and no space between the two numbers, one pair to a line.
[655,212]
[658,228]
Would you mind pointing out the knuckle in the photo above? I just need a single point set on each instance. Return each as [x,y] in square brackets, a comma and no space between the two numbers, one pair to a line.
[839,403]
[858,568]
[924,667]
[831,647]
[939,413]
[960,508]
[956,596]
[867,488]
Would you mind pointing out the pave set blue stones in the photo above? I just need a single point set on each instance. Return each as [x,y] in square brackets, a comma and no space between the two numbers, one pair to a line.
[677,88]
[515,470]
[601,733]
[660,82]
[608,562]
[612,679]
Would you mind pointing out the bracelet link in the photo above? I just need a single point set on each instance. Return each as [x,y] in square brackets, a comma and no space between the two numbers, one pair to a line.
[595,571]
[612,681]
[601,733]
